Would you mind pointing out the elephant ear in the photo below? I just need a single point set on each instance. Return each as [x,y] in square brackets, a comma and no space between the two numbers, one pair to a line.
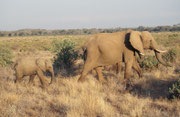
[136,42]
[41,64]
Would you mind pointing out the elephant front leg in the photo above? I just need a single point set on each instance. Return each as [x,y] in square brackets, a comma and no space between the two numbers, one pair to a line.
[118,65]
[137,68]
[128,68]
[42,78]
[100,75]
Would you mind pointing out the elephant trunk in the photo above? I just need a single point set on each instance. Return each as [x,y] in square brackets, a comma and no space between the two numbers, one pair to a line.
[158,54]
[159,58]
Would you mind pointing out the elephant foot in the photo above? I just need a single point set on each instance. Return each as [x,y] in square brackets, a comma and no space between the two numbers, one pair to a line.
[31,84]
[54,80]
[44,84]
[140,76]
[127,85]
[81,80]
[43,87]
[103,81]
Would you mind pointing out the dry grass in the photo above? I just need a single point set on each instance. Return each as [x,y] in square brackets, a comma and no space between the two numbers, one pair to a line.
[68,98]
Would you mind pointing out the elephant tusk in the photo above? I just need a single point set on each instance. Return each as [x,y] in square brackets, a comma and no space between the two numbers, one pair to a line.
[141,54]
[160,51]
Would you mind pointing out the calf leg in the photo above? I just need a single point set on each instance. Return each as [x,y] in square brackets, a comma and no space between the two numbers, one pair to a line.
[31,79]
[19,76]
[41,77]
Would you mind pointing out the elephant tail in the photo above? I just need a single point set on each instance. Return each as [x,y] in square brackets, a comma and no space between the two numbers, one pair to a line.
[14,65]
[84,53]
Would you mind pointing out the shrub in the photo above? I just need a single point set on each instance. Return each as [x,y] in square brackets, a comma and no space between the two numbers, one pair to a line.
[173,35]
[66,55]
[56,45]
[5,55]
[175,90]
[170,55]
[149,62]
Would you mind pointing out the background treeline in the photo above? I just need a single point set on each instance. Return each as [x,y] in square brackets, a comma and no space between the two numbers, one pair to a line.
[36,32]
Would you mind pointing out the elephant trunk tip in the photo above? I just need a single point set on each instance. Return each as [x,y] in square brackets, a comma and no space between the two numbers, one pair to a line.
[169,64]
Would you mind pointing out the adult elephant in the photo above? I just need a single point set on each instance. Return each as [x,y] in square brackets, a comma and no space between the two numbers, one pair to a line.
[31,67]
[110,48]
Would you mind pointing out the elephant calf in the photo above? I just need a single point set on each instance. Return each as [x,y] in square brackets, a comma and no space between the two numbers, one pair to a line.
[32,67]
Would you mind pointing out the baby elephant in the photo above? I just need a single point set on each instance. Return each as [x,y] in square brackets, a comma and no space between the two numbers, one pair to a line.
[32,67]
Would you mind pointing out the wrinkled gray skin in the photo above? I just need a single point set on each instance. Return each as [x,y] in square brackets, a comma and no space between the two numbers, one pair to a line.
[32,67]
[110,48]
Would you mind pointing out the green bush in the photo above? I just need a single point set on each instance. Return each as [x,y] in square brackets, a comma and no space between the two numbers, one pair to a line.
[175,90]
[5,55]
[170,55]
[148,62]
[173,35]
[66,54]
[56,45]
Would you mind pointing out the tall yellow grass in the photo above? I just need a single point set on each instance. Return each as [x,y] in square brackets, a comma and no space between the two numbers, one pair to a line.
[68,98]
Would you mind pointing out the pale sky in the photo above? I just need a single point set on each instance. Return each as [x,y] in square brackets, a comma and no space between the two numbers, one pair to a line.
[73,14]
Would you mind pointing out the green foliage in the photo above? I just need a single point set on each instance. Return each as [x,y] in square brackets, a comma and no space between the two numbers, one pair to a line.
[5,55]
[170,55]
[149,62]
[57,45]
[35,32]
[175,90]
[66,53]
[173,35]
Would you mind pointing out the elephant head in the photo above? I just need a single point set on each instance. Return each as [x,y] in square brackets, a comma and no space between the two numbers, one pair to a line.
[46,66]
[144,40]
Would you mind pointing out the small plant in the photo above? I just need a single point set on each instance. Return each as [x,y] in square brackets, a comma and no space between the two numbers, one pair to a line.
[170,55]
[175,90]
[149,62]
[173,35]
[5,55]
[66,54]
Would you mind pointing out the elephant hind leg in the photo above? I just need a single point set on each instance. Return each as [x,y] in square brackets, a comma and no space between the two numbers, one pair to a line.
[100,75]
[89,65]
[19,76]
[31,79]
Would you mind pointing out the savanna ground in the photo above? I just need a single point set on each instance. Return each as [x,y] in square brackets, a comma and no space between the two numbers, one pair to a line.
[67,97]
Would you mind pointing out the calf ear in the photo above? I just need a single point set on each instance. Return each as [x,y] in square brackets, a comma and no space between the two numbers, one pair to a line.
[41,64]
[136,42]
